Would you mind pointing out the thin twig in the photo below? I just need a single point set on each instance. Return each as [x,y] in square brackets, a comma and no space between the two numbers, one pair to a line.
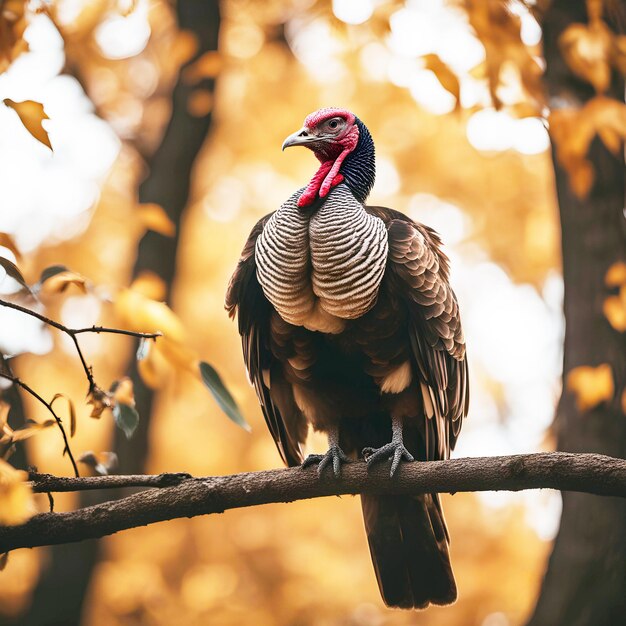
[591,473]
[77,331]
[72,332]
[16,381]
[86,368]
[115,331]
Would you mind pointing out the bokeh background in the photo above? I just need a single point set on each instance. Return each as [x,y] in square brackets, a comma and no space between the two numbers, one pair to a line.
[130,129]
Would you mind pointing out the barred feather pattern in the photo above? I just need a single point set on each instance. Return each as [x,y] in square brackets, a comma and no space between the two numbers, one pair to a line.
[335,256]
[283,263]
[349,252]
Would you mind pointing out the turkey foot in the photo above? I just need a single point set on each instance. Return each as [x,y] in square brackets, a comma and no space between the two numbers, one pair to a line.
[393,450]
[335,456]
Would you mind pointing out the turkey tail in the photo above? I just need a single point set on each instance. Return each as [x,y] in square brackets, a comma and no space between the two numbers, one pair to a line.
[408,542]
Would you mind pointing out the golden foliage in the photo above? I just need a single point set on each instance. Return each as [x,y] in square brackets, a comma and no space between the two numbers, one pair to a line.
[207,65]
[615,306]
[58,283]
[573,130]
[448,79]
[272,566]
[587,50]
[141,314]
[9,436]
[16,498]
[149,285]
[200,102]
[499,31]
[154,217]
[32,115]
[616,275]
[6,241]
[13,22]
[124,392]
[591,385]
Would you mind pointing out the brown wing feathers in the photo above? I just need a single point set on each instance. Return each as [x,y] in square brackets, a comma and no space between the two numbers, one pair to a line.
[254,312]
[419,272]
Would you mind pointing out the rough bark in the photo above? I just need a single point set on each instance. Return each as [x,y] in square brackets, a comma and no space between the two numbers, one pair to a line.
[189,496]
[585,582]
[66,577]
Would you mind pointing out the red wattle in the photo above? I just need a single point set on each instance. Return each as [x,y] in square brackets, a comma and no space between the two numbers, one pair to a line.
[310,193]
[328,176]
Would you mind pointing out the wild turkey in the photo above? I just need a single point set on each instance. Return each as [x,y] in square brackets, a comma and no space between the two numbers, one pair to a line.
[348,323]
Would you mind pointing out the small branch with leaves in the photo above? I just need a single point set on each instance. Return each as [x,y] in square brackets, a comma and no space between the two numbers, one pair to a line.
[118,398]
[136,310]
[171,496]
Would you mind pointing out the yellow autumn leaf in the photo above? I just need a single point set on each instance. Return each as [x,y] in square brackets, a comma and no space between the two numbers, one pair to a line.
[591,385]
[6,241]
[178,354]
[14,23]
[16,497]
[6,432]
[126,7]
[206,66]
[141,314]
[71,409]
[444,74]
[587,51]
[572,131]
[618,54]
[523,110]
[183,48]
[32,428]
[150,285]
[200,102]
[154,369]
[616,275]
[614,309]
[123,391]
[32,115]
[61,281]
[154,217]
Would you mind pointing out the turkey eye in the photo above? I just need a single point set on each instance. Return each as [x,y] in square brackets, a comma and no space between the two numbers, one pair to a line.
[333,123]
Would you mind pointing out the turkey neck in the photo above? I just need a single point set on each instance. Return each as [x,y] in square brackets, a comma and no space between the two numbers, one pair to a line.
[323,263]
[359,167]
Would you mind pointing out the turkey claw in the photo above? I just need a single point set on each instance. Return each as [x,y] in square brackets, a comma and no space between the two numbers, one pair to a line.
[394,451]
[335,455]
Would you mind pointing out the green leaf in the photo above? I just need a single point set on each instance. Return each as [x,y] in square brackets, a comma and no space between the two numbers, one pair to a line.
[51,271]
[126,418]
[215,385]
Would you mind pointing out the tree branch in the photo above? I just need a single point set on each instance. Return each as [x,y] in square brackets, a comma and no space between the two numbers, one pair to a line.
[592,473]
[66,450]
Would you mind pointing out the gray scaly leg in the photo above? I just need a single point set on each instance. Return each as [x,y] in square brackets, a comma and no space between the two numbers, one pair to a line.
[394,450]
[335,455]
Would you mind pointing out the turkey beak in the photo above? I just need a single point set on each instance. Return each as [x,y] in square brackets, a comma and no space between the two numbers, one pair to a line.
[299,138]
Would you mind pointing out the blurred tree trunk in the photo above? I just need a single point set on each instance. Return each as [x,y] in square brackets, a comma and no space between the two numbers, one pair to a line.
[585,582]
[58,598]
